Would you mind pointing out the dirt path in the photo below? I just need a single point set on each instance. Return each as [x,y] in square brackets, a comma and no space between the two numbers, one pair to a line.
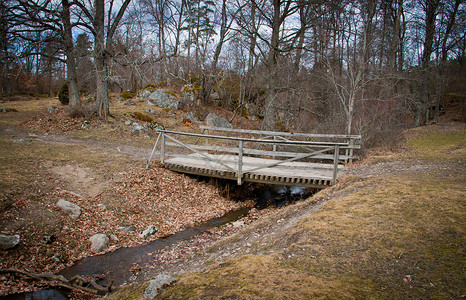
[105,147]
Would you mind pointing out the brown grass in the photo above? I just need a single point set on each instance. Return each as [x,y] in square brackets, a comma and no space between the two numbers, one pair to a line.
[394,237]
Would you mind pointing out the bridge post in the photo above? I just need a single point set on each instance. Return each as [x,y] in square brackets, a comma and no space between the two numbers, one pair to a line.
[335,163]
[162,149]
[153,151]
[240,163]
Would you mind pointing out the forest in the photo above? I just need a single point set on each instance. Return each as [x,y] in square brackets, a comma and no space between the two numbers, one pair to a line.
[357,67]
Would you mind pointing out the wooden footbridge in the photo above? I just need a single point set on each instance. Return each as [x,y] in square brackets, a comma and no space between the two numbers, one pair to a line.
[311,160]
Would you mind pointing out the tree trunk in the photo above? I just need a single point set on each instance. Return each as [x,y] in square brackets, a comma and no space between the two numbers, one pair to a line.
[99,60]
[75,102]
[271,91]
[4,65]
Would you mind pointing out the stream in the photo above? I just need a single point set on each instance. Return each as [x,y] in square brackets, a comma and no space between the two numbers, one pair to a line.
[116,265]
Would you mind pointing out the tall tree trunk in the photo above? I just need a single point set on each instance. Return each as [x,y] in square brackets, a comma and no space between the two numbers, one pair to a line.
[431,11]
[443,59]
[252,40]
[4,60]
[272,78]
[303,15]
[99,60]
[75,102]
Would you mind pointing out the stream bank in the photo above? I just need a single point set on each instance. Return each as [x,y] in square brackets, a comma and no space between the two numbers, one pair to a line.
[127,266]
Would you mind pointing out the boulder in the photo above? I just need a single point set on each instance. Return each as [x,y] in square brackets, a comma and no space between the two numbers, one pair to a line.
[142,95]
[69,208]
[163,99]
[9,241]
[216,121]
[191,117]
[149,231]
[99,242]
[156,284]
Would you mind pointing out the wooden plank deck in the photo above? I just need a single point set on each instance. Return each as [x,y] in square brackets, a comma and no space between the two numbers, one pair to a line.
[309,163]
[288,173]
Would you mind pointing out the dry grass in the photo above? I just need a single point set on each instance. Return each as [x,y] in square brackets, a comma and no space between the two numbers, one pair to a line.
[394,237]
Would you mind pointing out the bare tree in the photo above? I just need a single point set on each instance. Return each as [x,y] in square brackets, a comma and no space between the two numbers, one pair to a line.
[94,20]
[51,21]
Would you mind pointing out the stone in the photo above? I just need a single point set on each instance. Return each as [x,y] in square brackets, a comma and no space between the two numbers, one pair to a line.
[9,241]
[130,103]
[49,239]
[149,231]
[215,96]
[151,111]
[102,206]
[137,128]
[191,117]
[216,121]
[127,228]
[156,284]
[142,95]
[69,208]
[114,238]
[20,141]
[238,224]
[163,99]
[52,109]
[58,258]
[99,242]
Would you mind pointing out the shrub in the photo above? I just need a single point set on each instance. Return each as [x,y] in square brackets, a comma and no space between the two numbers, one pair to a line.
[63,94]
[150,87]
[141,117]
[126,95]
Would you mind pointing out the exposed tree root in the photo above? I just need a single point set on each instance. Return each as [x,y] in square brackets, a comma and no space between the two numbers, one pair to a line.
[75,283]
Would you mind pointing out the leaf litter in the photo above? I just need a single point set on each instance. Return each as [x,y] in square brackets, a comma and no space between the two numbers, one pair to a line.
[158,197]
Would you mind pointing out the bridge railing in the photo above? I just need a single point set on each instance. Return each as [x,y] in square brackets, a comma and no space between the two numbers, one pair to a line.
[241,146]
[353,141]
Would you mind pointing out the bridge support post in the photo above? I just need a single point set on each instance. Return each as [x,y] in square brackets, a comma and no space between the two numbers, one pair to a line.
[240,163]
[335,164]
[153,150]
[162,149]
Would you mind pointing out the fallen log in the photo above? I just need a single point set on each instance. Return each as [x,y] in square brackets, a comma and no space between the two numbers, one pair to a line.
[60,281]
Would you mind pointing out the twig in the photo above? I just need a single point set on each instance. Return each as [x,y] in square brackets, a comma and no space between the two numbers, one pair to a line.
[70,192]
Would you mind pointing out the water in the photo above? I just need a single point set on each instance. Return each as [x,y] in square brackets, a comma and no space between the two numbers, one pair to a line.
[116,265]
[280,195]
[38,295]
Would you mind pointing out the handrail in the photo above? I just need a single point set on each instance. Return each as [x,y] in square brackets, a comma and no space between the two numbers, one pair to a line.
[293,143]
[280,133]
[277,140]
